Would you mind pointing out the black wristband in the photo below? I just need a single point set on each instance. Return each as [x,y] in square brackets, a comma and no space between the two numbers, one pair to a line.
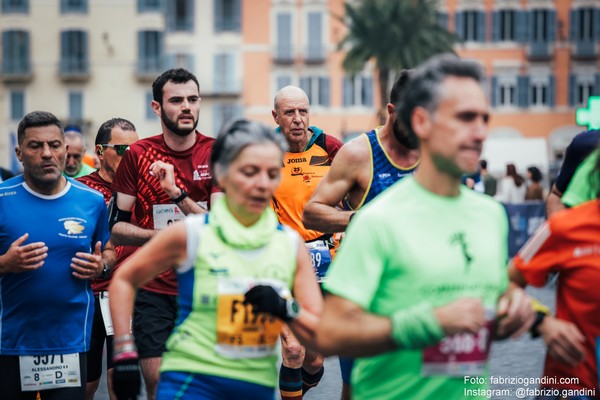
[181,197]
[105,273]
[539,318]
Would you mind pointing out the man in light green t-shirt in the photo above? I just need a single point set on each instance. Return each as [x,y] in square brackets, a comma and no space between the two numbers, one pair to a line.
[585,184]
[420,283]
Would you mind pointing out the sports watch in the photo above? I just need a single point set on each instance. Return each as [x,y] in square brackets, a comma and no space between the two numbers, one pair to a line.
[292,308]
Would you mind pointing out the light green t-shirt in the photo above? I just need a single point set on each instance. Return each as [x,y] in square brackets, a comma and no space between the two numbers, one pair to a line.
[85,170]
[585,184]
[408,247]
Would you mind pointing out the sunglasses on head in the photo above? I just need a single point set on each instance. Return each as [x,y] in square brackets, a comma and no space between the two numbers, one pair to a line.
[119,148]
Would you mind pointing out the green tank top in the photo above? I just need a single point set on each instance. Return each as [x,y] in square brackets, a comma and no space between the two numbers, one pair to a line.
[216,334]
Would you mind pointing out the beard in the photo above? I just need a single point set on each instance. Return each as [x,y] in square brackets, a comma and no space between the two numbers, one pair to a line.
[407,140]
[173,127]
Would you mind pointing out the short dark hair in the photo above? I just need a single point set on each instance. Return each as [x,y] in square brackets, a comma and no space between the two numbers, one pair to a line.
[424,86]
[536,174]
[175,75]
[399,84]
[35,119]
[104,134]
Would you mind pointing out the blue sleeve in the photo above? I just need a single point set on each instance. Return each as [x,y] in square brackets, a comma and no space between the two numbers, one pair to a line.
[102,232]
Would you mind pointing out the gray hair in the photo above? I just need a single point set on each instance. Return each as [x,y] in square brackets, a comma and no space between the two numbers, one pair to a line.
[36,119]
[74,136]
[424,88]
[237,135]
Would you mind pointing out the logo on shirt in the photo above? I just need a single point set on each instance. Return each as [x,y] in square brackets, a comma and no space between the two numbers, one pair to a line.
[459,239]
[74,227]
[319,160]
[296,171]
[296,160]
[202,173]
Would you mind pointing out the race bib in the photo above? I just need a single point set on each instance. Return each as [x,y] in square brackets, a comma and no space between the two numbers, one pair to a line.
[242,333]
[166,214]
[320,258]
[49,371]
[459,355]
[105,310]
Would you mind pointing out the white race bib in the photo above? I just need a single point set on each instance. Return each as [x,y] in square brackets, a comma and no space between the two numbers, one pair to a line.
[49,371]
[166,214]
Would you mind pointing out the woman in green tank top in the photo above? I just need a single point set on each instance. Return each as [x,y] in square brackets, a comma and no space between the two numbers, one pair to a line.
[236,268]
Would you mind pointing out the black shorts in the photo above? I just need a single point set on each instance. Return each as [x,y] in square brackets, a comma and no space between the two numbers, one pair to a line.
[94,359]
[154,318]
[10,382]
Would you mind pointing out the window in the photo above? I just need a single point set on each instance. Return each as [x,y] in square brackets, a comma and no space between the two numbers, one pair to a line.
[442,19]
[17,105]
[584,24]
[180,15]
[150,52]
[504,26]
[228,15]
[317,90]
[470,25]
[74,52]
[358,91]
[283,47]
[283,81]
[149,111]
[582,85]
[225,74]
[149,5]
[15,6]
[73,6]
[76,106]
[541,91]
[315,51]
[542,25]
[223,113]
[504,91]
[15,52]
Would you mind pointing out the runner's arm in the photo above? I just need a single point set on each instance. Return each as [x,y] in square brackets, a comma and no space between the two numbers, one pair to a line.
[307,293]
[166,250]
[321,212]
[125,233]
[553,203]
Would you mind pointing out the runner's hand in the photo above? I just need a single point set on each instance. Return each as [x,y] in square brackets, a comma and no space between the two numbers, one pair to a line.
[564,340]
[20,258]
[461,316]
[126,379]
[265,299]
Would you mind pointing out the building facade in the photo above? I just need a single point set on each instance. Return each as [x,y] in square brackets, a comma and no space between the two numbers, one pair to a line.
[91,60]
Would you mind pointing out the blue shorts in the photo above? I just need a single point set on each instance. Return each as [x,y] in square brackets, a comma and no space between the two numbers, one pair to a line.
[346,365]
[187,385]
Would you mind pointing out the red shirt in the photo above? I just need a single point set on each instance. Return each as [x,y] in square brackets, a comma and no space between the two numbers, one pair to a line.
[192,174]
[569,243]
[96,182]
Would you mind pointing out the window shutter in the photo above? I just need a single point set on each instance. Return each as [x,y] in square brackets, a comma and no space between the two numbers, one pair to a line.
[347,94]
[494,95]
[218,84]
[523,91]
[551,91]
[324,91]
[443,19]
[459,24]
[218,10]
[315,36]
[597,85]
[496,26]
[305,85]
[551,26]
[573,24]
[572,89]
[237,15]
[481,25]
[367,89]
[597,22]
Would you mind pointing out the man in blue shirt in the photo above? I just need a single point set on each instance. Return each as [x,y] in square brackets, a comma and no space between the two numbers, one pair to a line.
[53,241]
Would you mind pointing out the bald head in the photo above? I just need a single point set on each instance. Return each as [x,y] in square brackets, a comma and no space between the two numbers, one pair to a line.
[75,152]
[289,93]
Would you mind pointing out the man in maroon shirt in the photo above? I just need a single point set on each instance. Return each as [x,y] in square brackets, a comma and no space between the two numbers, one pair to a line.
[112,141]
[161,178]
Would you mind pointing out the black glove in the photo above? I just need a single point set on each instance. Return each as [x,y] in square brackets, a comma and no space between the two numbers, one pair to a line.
[126,379]
[265,299]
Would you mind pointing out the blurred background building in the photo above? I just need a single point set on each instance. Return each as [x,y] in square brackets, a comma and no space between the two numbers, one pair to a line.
[91,60]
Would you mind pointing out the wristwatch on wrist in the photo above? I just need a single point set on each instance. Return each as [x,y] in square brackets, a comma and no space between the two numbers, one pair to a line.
[539,318]
[181,197]
[292,308]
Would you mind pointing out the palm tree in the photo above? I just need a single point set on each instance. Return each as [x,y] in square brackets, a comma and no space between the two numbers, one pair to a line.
[396,34]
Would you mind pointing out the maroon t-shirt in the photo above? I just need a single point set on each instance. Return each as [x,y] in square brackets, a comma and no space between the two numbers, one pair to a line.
[191,174]
[96,182]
